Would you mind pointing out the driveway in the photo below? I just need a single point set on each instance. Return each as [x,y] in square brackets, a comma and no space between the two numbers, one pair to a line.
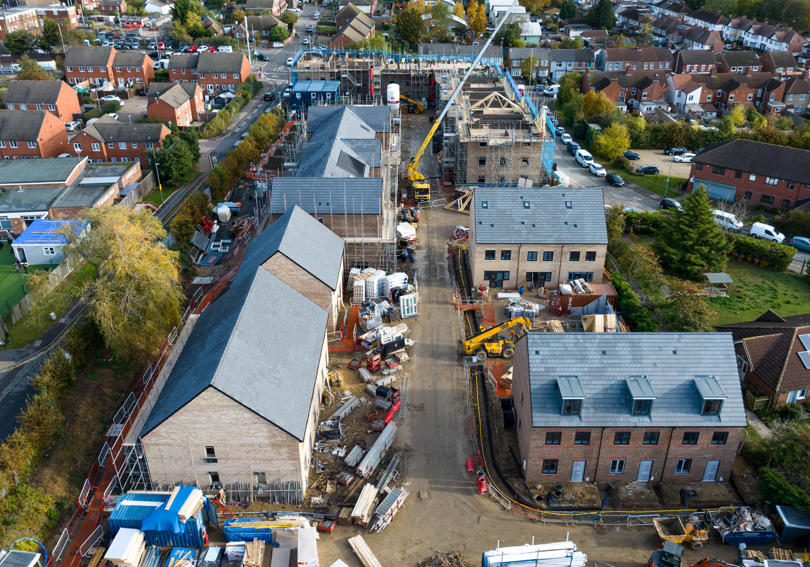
[132,109]
[664,163]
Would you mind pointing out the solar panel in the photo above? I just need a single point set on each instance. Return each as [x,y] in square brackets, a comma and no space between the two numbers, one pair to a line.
[805,341]
[805,358]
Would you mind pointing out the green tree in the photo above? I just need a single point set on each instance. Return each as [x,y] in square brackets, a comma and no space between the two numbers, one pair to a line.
[568,10]
[613,141]
[755,119]
[278,33]
[535,6]
[601,16]
[19,42]
[508,35]
[636,126]
[596,104]
[570,85]
[440,20]
[373,43]
[691,243]
[136,8]
[643,266]
[528,69]
[571,43]
[179,32]
[177,164]
[727,128]
[686,310]
[50,34]
[31,71]
[289,18]
[737,115]
[194,26]
[135,298]
[181,8]
[409,24]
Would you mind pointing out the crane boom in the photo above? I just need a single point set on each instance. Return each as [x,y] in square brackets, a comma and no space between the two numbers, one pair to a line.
[413,164]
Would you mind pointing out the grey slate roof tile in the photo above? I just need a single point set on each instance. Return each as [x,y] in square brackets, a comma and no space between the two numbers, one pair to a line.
[324,196]
[21,124]
[42,92]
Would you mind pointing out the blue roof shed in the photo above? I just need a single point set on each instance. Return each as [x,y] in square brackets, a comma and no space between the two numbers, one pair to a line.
[43,240]
[305,93]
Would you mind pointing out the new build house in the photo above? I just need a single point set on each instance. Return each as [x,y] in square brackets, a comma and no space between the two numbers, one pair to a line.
[54,96]
[624,407]
[28,134]
[215,72]
[537,237]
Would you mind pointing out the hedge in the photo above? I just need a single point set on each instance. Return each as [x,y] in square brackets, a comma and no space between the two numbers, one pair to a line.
[637,317]
[762,252]
[644,222]
[225,116]
[776,489]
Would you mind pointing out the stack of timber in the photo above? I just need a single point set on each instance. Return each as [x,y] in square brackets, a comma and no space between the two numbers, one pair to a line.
[127,549]
[254,553]
[388,508]
[361,514]
[363,552]
[191,506]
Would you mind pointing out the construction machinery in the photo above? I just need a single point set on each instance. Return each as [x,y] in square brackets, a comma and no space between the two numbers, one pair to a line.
[670,555]
[414,106]
[490,342]
[695,532]
[421,188]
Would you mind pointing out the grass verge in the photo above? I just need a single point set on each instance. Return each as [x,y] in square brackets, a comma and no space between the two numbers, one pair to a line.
[154,196]
[756,289]
[654,183]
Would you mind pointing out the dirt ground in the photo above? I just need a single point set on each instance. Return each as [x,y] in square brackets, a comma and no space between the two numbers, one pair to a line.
[443,511]
[657,157]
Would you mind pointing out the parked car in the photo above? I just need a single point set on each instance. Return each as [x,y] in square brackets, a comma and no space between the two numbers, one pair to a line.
[225,49]
[560,130]
[277,45]
[676,151]
[152,45]
[261,56]
[631,155]
[597,169]
[113,115]
[161,45]
[766,232]
[566,138]
[683,158]
[290,61]
[212,49]
[800,243]
[73,125]
[294,10]
[573,148]
[551,90]
[668,203]
[583,157]
[615,180]
[110,98]
[726,220]
[648,170]
[316,15]
[305,41]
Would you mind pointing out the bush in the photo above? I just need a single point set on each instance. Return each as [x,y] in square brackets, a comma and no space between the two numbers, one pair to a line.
[644,222]
[788,411]
[278,33]
[776,489]
[105,108]
[637,317]
[83,341]
[762,252]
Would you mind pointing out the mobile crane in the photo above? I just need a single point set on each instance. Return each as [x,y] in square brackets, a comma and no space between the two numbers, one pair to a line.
[421,188]
[490,343]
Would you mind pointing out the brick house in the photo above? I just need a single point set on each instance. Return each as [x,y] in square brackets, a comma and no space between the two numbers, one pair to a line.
[356,28]
[54,96]
[133,68]
[28,134]
[570,61]
[91,64]
[707,20]
[772,356]
[65,14]
[215,72]
[780,63]
[699,38]
[760,90]
[634,59]
[113,7]
[22,18]
[179,104]
[753,172]
[586,411]
[742,62]
[797,95]
[536,238]
[276,7]
[258,25]
[695,61]
[107,140]
[684,93]
[633,89]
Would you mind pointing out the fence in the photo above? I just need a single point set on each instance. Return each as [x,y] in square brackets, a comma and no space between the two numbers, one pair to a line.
[55,277]
[143,188]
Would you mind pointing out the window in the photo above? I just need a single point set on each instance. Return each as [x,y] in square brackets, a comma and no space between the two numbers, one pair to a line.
[731,97]
[110,145]
[572,407]
[785,203]
[489,254]
[621,438]
[651,437]
[48,251]
[32,144]
[642,407]
[531,256]
[210,454]
[81,69]
[69,69]
[96,147]
[617,466]
[587,276]
[77,146]
[712,407]
[573,256]
[771,181]
[548,256]
[718,170]
[750,96]
[550,466]
[502,162]
[582,438]
[122,145]
[590,256]
[752,177]
[213,477]
[719,437]
[790,184]
[2,144]
[148,145]
[236,75]
[690,438]
[553,437]
[12,143]
[524,162]
[506,255]
[767,199]
[134,145]
[482,161]
[699,166]
[708,98]
[496,278]
[260,477]
[737,174]
[223,75]
[683,466]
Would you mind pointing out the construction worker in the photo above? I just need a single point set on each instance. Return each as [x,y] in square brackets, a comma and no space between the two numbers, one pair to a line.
[222,495]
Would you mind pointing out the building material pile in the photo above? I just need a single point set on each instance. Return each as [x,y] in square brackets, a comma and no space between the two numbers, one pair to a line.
[382,295]
[254,553]
[563,554]
[377,451]
[363,509]
[388,508]
[127,548]
[363,552]
[246,529]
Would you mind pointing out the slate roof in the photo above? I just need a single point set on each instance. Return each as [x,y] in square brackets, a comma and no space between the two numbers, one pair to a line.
[327,154]
[696,57]
[302,239]
[21,124]
[184,61]
[779,59]
[43,92]
[157,89]
[633,54]
[129,59]
[782,162]
[107,129]
[710,17]
[773,344]
[220,62]
[740,58]
[245,347]
[572,55]
[502,217]
[795,85]
[175,96]
[47,171]
[88,55]
[604,361]
[324,196]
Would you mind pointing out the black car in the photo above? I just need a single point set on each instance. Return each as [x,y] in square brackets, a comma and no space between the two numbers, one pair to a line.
[269,96]
[675,151]
[614,180]
[140,91]
[262,57]
[648,170]
[573,147]
[668,203]
[631,155]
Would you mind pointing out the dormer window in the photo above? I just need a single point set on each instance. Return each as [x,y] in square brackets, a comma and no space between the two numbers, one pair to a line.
[642,393]
[571,393]
[711,394]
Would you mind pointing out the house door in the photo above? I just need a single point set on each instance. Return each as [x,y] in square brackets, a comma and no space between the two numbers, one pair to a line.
[578,471]
[710,474]
[644,470]
[496,278]
[21,255]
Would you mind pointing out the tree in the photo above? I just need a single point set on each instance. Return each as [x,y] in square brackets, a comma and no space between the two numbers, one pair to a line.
[596,104]
[409,24]
[528,68]
[635,126]
[440,19]
[509,34]
[695,4]
[755,119]
[136,8]
[19,42]
[571,43]
[737,115]
[479,23]
[135,298]
[31,71]
[194,26]
[691,243]
[569,87]
[177,164]
[568,10]
[278,33]
[179,32]
[535,6]
[686,310]
[373,43]
[50,34]
[613,141]
[601,16]
[181,8]
[239,17]
[727,127]
[289,18]
[458,9]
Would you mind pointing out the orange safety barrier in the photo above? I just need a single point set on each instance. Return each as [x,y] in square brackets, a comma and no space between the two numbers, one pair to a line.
[347,334]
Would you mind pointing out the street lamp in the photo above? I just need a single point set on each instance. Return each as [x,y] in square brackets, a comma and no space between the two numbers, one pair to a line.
[160,187]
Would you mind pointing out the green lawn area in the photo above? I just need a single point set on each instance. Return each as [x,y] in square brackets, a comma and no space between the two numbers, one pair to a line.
[154,196]
[12,282]
[756,289]
[654,183]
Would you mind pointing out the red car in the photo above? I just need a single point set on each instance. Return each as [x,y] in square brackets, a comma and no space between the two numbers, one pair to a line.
[161,45]
[193,49]
[212,49]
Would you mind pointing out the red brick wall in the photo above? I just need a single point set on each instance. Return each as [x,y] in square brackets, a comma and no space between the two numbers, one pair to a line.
[205,79]
[86,143]
[757,188]
[67,104]
[142,75]
[24,21]
[75,75]
[160,110]
[51,141]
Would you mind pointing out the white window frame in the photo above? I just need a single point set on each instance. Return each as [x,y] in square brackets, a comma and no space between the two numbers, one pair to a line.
[617,466]
[122,145]
[77,146]
[96,147]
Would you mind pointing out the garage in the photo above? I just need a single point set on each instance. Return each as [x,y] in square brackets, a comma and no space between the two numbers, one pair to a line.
[716,190]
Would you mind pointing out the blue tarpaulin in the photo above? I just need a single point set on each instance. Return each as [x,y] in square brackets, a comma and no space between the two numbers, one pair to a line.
[168,520]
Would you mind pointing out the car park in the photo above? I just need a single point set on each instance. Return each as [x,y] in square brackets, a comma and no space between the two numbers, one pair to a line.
[648,170]
[726,220]
[800,243]
[683,158]
[676,151]
[615,180]
[110,98]
[631,155]
[277,45]
[597,169]
[766,232]
[668,203]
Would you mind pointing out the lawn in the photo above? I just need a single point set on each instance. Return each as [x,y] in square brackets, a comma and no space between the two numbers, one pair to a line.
[654,183]
[12,282]
[154,196]
[756,289]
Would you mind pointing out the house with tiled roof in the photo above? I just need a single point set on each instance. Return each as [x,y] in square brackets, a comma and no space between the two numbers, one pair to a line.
[760,90]
[177,103]
[133,69]
[276,7]
[108,140]
[212,25]
[734,29]
[570,61]
[89,63]
[54,96]
[740,61]
[356,28]
[797,95]
[700,38]
[26,134]
[767,37]
[637,89]
[215,72]
[773,356]
[668,30]
[634,59]
[705,19]
[672,8]
[258,25]
[780,63]
[695,61]
[684,93]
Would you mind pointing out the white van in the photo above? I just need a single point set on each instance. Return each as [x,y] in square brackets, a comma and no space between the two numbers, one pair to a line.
[766,232]
[584,158]
[726,220]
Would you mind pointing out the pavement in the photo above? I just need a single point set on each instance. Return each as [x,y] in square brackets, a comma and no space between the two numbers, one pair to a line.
[757,424]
